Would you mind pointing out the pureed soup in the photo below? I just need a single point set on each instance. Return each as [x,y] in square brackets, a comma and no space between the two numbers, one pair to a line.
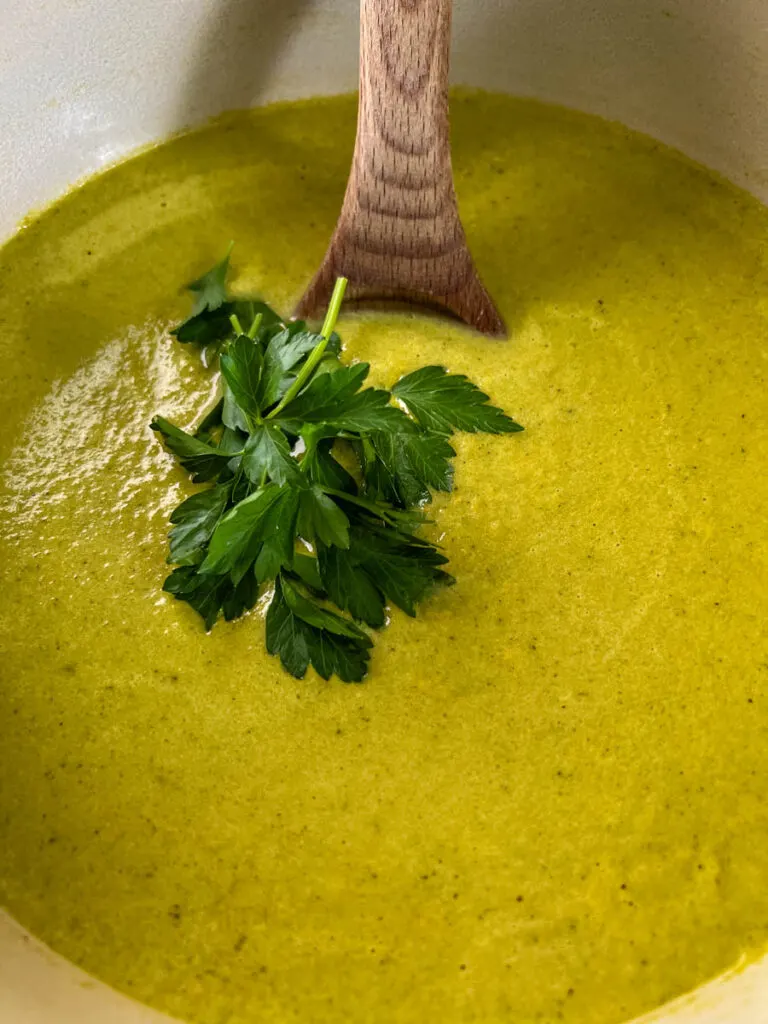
[548,800]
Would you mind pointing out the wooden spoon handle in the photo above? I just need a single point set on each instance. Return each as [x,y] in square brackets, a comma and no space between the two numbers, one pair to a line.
[403,157]
[399,236]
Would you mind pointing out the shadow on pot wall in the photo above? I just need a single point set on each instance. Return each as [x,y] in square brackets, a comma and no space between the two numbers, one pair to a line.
[691,74]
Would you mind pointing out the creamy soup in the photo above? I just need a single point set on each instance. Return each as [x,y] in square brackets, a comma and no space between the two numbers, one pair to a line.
[548,800]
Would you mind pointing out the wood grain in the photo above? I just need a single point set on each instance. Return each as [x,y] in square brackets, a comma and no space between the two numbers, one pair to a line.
[399,238]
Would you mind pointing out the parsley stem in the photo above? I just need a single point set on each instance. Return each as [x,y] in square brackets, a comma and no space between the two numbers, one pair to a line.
[333,309]
[237,326]
[375,508]
[253,330]
[318,351]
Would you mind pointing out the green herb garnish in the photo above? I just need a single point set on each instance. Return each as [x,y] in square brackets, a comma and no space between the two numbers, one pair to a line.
[316,482]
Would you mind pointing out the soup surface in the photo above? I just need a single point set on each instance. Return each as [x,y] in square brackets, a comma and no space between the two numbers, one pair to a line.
[548,800]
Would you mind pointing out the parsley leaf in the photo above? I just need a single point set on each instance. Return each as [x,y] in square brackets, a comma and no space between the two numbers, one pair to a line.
[238,535]
[267,456]
[239,599]
[212,595]
[350,587]
[284,351]
[446,402]
[242,365]
[301,633]
[404,568]
[200,458]
[206,327]
[305,567]
[335,399]
[279,533]
[315,615]
[408,466]
[321,467]
[324,395]
[210,289]
[316,482]
[248,309]
[204,594]
[194,522]
[232,415]
[209,318]
[210,422]
[321,519]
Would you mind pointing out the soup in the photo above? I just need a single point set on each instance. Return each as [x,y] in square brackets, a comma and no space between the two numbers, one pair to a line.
[547,800]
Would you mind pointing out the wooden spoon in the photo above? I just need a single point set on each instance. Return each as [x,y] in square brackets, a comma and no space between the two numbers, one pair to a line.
[398,237]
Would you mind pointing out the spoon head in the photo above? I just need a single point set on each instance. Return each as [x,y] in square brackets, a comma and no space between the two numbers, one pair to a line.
[446,284]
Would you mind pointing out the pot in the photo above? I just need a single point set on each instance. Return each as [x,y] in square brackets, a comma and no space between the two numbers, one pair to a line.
[83,84]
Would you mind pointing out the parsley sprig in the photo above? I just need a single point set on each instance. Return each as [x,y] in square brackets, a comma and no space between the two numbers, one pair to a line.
[315,483]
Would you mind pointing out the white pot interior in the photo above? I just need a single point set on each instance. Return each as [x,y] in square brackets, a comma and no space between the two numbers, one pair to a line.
[82,84]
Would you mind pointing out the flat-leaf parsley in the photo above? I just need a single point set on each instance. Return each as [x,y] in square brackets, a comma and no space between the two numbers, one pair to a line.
[315,482]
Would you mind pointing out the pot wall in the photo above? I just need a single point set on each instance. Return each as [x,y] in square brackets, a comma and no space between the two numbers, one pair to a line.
[83,82]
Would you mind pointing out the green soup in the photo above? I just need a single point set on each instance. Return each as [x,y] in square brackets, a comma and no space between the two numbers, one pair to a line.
[548,800]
